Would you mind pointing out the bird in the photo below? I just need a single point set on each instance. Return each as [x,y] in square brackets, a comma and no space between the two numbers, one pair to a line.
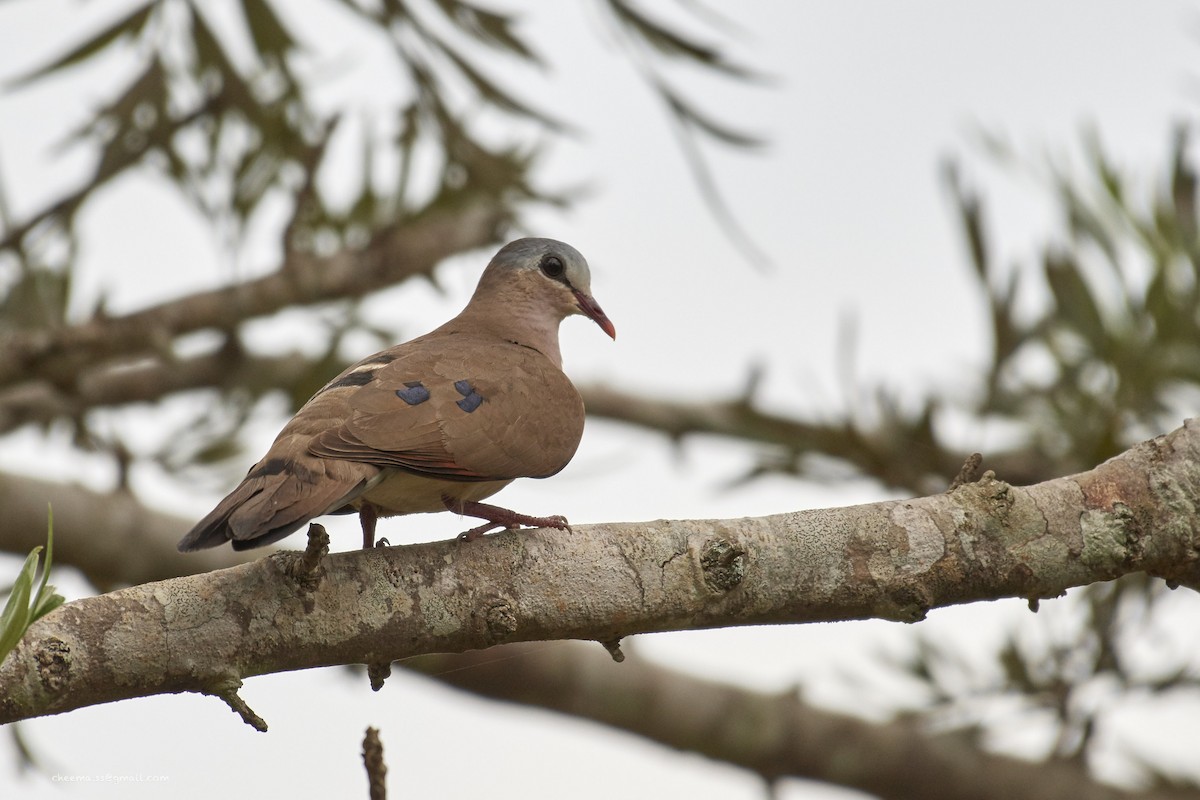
[437,423]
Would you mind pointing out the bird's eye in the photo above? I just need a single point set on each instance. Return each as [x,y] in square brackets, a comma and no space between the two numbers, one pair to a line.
[552,267]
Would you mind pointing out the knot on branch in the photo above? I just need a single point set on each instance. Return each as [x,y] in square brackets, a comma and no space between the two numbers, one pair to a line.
[377,673]
[969,472]
[999,494]
[906,604]
[613,646]
[723,564]
[988,496]
[500,619]
[53,657]
[305,568]
[227,690]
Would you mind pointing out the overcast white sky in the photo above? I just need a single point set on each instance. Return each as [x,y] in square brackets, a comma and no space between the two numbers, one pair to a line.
[846,202]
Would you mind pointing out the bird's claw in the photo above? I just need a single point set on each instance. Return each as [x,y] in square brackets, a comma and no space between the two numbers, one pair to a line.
[556,521]
[475,533]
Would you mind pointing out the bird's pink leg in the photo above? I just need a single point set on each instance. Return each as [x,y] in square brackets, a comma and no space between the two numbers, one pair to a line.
[498,517]
[368,515]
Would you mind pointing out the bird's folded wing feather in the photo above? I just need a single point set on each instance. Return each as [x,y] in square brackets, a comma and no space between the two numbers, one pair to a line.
[456,407]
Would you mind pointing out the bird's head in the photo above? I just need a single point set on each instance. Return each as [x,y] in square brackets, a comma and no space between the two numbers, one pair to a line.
[546,276]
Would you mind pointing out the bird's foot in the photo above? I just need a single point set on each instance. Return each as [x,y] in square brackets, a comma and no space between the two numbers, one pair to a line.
[498,517]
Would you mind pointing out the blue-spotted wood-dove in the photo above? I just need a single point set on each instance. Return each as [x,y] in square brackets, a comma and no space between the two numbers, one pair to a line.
[439,422]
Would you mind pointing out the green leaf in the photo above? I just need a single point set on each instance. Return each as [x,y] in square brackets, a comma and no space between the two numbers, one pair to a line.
[14,620]
[18,613]
[365,208]
[690,115]
[271,37]
[131,24]
[1075,301]
[493,93]
[1183,187]
[47,598]
[210,54]
[1008,335]
[406,141]
[132,139]
[970,217]
[46,602]
[489,27]
[673,45]
[38,299]
[1087,224]
[254,175]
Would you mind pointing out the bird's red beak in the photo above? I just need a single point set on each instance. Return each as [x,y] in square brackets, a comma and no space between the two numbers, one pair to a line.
[592,310]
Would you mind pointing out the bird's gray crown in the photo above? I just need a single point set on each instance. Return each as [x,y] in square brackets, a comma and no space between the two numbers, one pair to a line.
[531,253]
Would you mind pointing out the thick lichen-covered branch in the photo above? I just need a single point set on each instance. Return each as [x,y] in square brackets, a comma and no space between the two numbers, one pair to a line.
[892,560]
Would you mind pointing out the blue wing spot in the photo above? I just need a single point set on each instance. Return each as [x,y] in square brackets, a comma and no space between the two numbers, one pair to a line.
[414,393]
[471,398]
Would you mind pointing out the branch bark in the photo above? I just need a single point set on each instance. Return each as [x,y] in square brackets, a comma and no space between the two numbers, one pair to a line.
[775,735]
[111,537]
[893,560]
[901,452]
[151,378]
[409,248]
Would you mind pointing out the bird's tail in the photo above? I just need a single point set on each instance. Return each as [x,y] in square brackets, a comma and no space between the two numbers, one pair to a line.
[277,497]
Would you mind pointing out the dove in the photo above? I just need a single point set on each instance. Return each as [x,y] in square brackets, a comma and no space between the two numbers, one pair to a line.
[437,423]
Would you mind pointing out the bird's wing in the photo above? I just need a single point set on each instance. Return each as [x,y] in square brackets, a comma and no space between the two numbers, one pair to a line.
[456,407]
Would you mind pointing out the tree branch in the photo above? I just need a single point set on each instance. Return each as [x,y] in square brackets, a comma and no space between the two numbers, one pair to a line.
[150,379]
[901,452]
[414,246]
[774,735]
[893,560]
[110,537]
